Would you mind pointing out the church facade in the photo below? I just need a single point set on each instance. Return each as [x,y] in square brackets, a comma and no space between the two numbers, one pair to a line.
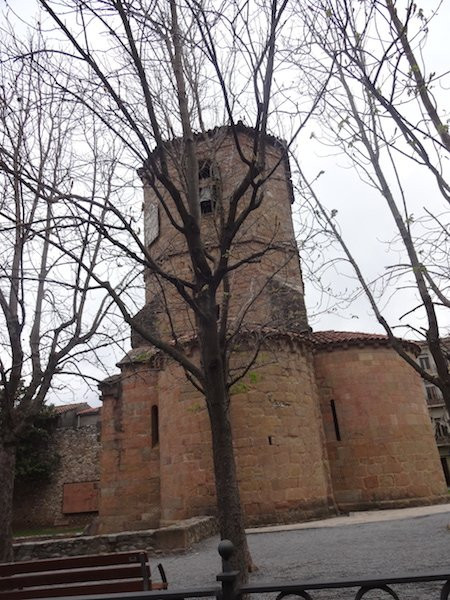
[323,422]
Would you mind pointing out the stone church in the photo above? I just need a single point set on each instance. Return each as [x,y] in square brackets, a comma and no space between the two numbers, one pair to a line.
[323,422]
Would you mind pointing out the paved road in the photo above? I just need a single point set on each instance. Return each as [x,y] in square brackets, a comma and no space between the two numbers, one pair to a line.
[407,546]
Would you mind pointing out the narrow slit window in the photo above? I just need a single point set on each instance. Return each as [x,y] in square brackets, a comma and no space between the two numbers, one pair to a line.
[155,426]
[335,420]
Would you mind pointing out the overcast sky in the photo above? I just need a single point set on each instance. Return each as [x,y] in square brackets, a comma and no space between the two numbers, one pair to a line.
[362,214]
[365,222]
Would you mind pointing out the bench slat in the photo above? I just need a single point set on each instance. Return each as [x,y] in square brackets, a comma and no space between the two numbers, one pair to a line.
[51,578]
[78,590]
[74,562]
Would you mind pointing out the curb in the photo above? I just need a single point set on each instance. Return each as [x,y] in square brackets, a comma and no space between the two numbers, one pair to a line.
[358,518]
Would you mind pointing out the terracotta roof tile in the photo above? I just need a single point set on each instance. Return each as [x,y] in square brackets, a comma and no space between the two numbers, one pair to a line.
[332,337]
[320,340]
[63,408]
[93,410]
[335,339]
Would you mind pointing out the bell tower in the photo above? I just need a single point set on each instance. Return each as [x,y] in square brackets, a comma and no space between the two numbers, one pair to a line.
[266,290]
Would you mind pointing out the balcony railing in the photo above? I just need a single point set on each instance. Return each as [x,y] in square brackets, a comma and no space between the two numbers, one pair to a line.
[443,440]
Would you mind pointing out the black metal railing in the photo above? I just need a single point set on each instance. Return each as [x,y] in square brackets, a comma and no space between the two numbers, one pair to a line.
[229,589]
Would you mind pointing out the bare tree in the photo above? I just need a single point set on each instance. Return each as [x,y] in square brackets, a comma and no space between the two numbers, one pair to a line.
[52,313]
[381,112]
[158,75]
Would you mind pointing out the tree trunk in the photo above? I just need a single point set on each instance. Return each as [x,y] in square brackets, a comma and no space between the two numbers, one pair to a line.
[7,465]
[445,390]
[229,509]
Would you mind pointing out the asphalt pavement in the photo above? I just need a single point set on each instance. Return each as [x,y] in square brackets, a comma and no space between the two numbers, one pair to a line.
[374,544]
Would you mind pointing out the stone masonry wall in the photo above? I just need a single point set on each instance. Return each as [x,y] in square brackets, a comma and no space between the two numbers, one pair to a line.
[187,483]
[177,537]
[387,455]
[279,440]
[278,437]
[42,504]
[129,463]
[268,232]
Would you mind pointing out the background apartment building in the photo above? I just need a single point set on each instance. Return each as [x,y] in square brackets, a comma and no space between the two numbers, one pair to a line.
[438,413]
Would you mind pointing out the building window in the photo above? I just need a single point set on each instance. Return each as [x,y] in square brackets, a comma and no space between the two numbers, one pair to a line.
[207,191]
[433,395]
[155,426]
[441,428]
[424,362]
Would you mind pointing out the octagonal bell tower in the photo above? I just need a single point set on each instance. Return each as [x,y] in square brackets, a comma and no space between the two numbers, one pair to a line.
[265,292]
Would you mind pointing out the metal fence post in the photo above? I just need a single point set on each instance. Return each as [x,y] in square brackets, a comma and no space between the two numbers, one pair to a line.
[228,577]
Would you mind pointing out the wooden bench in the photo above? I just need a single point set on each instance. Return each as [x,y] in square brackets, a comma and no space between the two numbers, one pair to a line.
[78,576]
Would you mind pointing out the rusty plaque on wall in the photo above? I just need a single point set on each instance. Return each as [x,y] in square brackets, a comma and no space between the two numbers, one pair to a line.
[80,497]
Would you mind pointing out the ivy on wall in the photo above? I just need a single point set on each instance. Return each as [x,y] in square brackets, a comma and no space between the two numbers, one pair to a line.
[36,458]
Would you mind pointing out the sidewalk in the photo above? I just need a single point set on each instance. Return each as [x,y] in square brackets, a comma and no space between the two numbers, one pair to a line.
[354,518]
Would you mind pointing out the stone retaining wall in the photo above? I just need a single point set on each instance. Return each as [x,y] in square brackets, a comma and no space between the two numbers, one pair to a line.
[175,537]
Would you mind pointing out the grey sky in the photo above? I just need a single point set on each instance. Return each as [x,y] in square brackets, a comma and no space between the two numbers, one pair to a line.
[362,214]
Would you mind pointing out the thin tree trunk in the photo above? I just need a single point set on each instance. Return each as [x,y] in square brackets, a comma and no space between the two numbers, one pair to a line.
[445,390]
[422,86]
[7,466]
[229,509]
[432,331]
